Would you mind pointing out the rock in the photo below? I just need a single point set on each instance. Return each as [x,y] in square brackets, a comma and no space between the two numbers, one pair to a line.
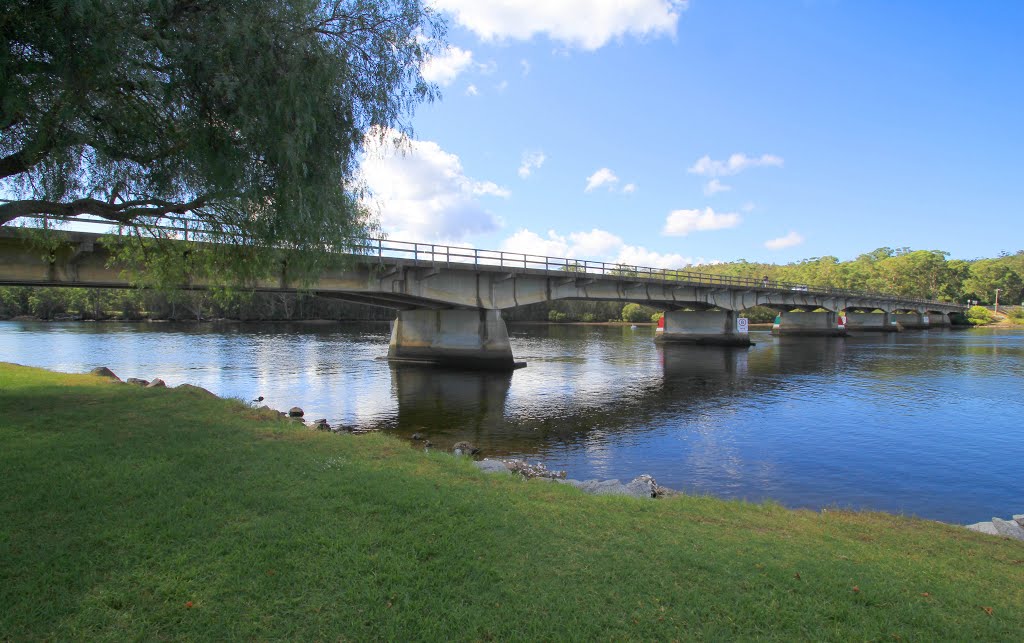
[492,466]
[427,444]
[464,448]
[642,486]
[137,381]
[321,425]
[295,412]
[417,436]
[1019,519]
[532,471]
[103,371]
[192,387]
[157,383]
[602,487]
[984,527]
[1008,528]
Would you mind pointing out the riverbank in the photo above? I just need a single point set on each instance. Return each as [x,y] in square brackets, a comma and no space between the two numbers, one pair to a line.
[153,513]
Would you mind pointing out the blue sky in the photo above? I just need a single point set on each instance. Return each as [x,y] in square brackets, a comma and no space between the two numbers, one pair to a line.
[667,133]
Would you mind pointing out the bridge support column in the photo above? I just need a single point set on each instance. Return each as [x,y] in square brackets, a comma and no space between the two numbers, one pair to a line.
[713,327]
[877,322]
[824,324]
[914,321]
[475,339]
[939,320]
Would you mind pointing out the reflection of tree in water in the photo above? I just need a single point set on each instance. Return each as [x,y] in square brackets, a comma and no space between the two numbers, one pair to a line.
[452,405]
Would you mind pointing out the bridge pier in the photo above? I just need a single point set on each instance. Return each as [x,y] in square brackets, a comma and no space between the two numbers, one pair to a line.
[712,327]
[824,324]
[476,339]
[939,320]
[877,322]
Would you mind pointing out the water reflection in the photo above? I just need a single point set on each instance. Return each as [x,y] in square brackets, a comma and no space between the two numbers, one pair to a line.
[921,422]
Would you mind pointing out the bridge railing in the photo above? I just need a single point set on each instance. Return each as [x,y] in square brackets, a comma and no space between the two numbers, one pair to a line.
[434,254]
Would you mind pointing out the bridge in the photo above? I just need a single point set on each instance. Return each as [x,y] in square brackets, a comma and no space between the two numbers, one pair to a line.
[449,299]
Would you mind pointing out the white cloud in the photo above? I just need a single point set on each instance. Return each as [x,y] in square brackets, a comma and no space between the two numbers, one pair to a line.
[531,161]
[589,24]
[530,243]
[638,256]
[706,166]
[595,245]
[748,206]
[629,188]
[788,241]
[472,91]
[680,223]
[422,193]
[445,68]
[714,186]
[525,64]
[604,176]
[502,86]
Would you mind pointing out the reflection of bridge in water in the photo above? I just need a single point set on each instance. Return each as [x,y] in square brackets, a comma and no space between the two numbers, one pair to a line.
[453,405]
[449,300]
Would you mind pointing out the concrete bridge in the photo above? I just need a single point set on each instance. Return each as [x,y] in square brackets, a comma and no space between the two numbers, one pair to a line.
[449,299]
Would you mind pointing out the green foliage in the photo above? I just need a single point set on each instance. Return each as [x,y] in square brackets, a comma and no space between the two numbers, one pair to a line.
[556,316]
[244,117]
[760,315]
[588,318]
[979,316]
[656,317]
[923,274]
[635,313]
[135,514]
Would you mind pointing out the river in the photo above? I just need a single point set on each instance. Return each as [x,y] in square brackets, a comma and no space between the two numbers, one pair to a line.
[926,423]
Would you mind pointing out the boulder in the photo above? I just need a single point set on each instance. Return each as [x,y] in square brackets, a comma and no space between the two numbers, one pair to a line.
[157,383]
[984,527]
[492,466]
[137,381]
[321,425]
[103,371]
[296,412]
[600,487]
[1019,519]
[642,486]
[1008,528]
[464,448]
[417,436]
[193,388]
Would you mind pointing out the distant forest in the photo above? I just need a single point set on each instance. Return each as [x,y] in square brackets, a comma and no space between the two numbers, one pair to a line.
[926,274]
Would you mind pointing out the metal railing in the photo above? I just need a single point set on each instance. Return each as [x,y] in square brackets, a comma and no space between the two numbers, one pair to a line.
[440,254]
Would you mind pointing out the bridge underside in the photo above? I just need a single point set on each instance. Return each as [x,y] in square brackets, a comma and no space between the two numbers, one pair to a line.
[450,313]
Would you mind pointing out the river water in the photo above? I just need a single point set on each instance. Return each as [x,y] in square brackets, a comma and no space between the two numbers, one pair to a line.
[925,423]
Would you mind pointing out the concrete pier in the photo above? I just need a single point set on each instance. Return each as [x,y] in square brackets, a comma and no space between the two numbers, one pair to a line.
[875,322]
[923,321]
[459,338]
[712,327]
[825,324]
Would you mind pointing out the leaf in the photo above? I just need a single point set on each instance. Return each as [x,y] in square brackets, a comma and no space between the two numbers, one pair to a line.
[988,610]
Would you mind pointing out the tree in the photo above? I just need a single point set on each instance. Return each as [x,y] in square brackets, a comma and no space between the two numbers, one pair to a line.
[243,117]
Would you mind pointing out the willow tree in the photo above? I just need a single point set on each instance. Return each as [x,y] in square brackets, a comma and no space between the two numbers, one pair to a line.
[241,118]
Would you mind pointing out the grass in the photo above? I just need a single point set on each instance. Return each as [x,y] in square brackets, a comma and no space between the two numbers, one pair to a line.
[131,513]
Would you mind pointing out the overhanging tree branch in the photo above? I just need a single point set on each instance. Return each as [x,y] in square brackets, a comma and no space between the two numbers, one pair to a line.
[125,212]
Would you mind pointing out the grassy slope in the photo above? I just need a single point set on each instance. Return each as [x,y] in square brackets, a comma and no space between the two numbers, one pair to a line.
[129,513]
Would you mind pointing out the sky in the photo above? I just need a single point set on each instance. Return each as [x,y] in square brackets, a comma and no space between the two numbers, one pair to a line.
[665,133]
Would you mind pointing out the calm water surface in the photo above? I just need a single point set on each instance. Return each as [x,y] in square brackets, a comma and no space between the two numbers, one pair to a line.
[924,423]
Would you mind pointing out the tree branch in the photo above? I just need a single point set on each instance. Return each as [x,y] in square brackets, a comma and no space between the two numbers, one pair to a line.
[119,212]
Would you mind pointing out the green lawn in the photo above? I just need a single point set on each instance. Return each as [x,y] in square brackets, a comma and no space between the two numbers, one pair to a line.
[131,513]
